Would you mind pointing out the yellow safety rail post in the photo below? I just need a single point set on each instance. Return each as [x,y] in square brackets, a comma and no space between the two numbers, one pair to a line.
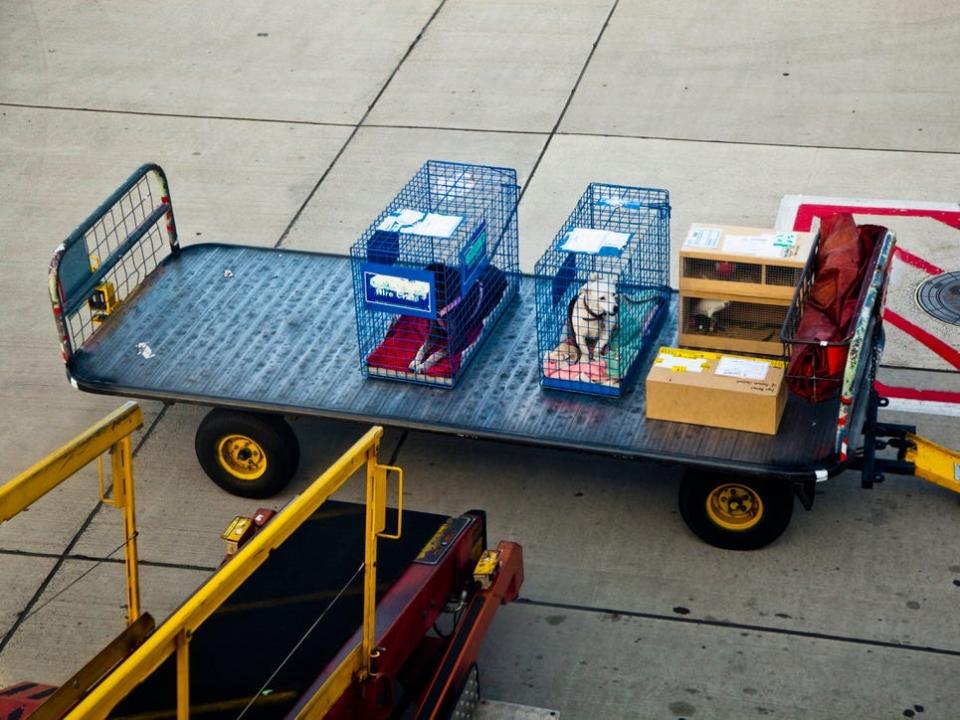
[173,636]
[376,523]
[112,434]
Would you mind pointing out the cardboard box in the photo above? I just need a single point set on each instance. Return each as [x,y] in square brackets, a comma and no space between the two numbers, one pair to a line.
[727,391]
[742,261]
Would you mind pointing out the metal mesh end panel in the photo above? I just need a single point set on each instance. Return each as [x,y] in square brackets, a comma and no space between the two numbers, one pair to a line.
[106,259]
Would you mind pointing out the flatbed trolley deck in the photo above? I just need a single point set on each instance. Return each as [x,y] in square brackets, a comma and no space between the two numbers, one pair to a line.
[260,332]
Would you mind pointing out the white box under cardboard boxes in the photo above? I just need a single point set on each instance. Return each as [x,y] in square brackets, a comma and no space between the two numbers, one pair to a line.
[727,391]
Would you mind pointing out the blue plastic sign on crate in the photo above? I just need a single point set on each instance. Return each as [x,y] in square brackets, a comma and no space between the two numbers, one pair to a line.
[451,229]
[473,257]
[399,290]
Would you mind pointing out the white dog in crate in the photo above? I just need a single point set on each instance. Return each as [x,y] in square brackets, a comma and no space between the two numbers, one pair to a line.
[591,320]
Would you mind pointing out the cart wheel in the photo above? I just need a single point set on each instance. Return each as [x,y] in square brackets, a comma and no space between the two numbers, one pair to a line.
[247,454]
[734,513]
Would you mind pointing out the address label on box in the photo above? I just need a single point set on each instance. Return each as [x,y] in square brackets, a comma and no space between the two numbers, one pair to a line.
[701,238]
[681,363]
[773,245]
[742,368]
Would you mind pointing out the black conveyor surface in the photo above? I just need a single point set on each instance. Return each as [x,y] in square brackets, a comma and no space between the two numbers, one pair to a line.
[237,649]
[280,334]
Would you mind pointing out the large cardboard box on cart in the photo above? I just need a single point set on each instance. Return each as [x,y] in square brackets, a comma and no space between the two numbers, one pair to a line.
[727,391]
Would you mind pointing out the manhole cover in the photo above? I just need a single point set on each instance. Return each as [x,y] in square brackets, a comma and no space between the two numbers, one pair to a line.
[940,297]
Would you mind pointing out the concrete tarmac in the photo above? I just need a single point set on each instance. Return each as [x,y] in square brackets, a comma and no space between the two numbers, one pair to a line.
[295,123]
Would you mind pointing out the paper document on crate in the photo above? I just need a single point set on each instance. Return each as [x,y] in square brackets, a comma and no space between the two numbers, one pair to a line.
[587,240]
[772,245]
[415,222]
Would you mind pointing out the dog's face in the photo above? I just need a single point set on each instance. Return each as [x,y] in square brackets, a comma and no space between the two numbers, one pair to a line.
[600,294]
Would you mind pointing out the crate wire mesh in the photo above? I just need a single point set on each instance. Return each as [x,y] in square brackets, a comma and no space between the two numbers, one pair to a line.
[602,288]
[434,272]
[740,272]
[105,259]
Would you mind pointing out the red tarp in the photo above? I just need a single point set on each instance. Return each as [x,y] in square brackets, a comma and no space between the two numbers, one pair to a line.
[842,262]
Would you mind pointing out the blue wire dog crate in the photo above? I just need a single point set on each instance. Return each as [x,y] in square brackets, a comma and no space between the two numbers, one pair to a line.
[434,272]
[602,289]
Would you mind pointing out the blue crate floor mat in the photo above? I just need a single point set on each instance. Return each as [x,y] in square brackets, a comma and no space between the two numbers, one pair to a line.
[278,332]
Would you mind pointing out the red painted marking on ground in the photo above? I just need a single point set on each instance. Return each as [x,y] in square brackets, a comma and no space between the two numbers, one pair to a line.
[916,261]
[806,214]
[901,393]
[918,333]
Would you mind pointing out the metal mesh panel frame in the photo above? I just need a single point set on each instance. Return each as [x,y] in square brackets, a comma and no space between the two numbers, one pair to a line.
[639,273]
[828,386]
[119,244]
[479,194]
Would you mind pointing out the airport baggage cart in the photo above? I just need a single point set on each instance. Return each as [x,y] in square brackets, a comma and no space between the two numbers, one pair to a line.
[259,333]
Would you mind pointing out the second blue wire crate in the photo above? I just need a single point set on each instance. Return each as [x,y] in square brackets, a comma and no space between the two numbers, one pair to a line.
[434,272]
[602,289]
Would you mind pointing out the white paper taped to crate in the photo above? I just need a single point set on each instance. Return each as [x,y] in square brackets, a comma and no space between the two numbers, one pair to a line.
[771,245]
[588,240]
[703,238]
[688,364]
[742,368]
[415,222]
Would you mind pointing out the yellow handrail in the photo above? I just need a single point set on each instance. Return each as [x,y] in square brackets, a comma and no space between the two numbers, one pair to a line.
[112,434]
[174,634]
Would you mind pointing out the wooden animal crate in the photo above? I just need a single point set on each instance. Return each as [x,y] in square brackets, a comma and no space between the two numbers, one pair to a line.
[745,262]
[732,322]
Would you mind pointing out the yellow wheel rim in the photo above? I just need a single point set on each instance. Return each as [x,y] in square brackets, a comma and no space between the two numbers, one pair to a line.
[240,456]
[734,507]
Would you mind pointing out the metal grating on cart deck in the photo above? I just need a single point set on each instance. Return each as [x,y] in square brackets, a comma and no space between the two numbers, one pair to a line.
[275,330]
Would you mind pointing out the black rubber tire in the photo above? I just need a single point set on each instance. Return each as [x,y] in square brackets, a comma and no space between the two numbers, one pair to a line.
[271,433]
[777,508]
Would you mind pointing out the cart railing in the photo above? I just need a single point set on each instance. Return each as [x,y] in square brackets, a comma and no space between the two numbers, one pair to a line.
[110,435]
[863,343]
[173,636]
[103,261]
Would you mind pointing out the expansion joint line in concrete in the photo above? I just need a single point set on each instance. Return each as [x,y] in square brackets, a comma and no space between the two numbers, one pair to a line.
[62,557]
[356,129]
[566,105]
[80,557]
[489,131]
[739,626]
[396,451]
[178,116]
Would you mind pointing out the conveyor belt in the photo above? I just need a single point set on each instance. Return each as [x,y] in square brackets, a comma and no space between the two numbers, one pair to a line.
[234,652]
[278,332]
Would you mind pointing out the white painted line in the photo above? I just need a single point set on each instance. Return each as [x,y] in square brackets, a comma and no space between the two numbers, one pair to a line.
[923,407]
